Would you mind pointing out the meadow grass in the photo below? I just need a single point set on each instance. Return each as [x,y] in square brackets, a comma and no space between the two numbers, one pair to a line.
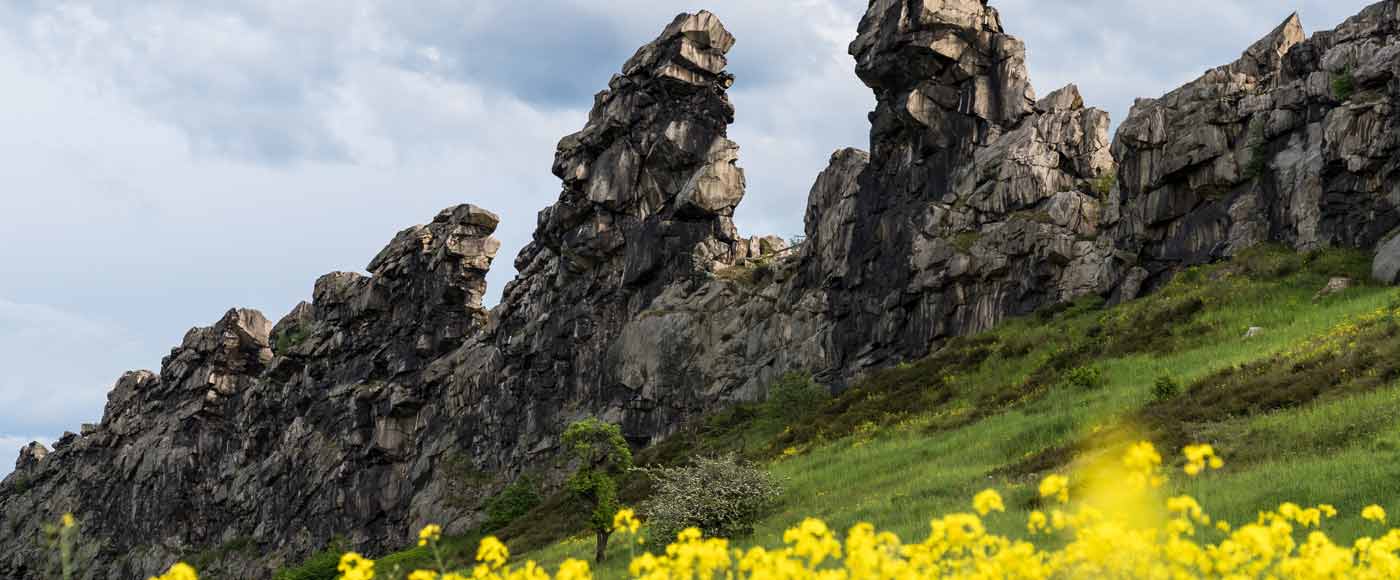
[920,440]
[901,473]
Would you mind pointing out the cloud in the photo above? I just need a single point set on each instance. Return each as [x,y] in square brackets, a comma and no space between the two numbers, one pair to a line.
[42,387]
[1120,50]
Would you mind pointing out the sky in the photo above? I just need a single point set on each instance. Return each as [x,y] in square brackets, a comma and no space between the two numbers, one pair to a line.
[164,161]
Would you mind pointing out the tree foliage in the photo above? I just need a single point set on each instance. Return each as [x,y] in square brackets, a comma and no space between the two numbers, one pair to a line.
[602,454]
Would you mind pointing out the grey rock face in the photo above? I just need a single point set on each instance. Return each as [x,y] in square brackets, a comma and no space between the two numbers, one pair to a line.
[1295,142]
[1386,268]
[273,438]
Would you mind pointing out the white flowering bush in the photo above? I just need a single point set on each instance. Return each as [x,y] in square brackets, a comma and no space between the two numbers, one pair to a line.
[721,496]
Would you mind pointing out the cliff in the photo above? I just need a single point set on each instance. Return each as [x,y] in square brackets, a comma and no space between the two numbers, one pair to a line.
[395,399]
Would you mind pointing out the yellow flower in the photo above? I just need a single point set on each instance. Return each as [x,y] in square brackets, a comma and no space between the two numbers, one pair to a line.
[355,567]
[1374,513]
[625,521]
[429,533]
[1198,457]
[492,552]
[69,521]
[180,571]
[1056,486]
[573,569]
[988,501]
[1037,522]
[423,575]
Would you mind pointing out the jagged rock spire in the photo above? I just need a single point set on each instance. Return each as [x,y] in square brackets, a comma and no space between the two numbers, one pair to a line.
[653,163]
[976,202]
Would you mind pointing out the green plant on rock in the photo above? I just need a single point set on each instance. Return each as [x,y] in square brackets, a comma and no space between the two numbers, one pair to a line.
[722,496]
[1344,84]
[602,455]
[1103,184]
[289,339]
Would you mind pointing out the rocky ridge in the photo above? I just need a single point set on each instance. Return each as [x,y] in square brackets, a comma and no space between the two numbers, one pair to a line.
[395,399]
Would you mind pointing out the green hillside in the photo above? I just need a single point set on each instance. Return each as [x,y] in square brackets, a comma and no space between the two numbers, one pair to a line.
[1303,410]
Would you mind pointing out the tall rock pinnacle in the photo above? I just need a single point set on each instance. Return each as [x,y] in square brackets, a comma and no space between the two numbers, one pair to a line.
[977,201]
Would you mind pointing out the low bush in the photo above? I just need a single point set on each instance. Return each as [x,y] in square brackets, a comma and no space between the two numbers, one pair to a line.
[721,496]
[795,396]
[1165,387]
[514,501]
[1087,378]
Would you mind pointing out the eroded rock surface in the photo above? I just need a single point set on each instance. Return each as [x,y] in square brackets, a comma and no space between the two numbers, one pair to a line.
[1297,142]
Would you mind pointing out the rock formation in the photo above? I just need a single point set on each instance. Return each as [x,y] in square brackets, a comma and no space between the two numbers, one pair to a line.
[395,399]
[977,201]
[1296,142]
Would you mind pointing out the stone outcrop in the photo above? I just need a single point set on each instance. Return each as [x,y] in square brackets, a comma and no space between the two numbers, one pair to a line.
[1296,142]
[394,399]
[1386,268]
[254,435]
[977,200]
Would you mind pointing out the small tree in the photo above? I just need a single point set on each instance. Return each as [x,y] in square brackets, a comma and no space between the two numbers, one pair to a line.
[794,396]
[602,454]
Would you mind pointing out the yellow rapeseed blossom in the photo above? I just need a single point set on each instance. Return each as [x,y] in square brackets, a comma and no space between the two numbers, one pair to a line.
[180,571]
[69,521]
[492,552]
[1374,513]
[355,567]
[429,533]
[1036,522]
[1111,531]
[1143,464]
[988,501]
[1056,486]
[625,521]
[1199,457]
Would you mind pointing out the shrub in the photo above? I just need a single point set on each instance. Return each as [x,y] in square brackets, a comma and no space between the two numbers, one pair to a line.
[320,566]
[1086,378]
[515,500]
[721,496]
[1258,152]
[1344,84]
[1165,387]
[1103,184]
[289,339]
[795,396]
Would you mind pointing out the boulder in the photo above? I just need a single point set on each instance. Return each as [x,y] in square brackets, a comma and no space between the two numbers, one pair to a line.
[1386,267]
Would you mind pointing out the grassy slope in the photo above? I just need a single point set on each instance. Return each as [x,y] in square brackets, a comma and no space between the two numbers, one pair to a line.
[993,410]
[989,412]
